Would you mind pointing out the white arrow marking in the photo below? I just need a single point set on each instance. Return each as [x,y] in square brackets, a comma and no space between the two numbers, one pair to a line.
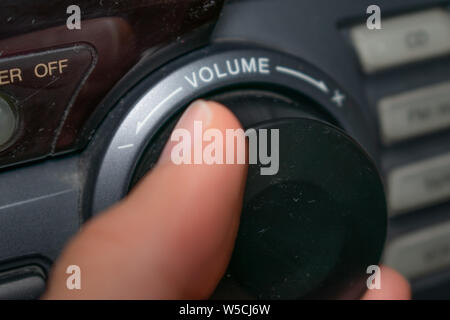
[127,146]
[319,84]
[140,124]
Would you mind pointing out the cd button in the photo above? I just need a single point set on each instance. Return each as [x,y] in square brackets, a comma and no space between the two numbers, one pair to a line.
[403,39]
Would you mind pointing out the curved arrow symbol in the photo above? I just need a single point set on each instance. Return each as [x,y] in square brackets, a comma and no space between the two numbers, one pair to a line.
[317,83]
[140,124]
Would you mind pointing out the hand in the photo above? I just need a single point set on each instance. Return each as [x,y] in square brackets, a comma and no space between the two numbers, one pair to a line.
[173,235]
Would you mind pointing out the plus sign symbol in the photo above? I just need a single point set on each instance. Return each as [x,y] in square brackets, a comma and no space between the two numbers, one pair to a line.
[338,98]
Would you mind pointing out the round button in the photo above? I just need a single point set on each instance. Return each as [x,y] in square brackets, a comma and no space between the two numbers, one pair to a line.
[8,122]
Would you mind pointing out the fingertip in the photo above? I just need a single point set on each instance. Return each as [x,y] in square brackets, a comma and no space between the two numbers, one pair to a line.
[173,234]
[394,286]
[223,117]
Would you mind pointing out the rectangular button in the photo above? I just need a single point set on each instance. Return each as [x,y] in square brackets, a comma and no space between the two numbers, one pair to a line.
[403,39]
[420,184]
[414,113]
[420,253]
[44,84]
[26,283]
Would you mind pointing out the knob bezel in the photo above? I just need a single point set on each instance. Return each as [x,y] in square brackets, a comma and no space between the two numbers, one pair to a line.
[139,115]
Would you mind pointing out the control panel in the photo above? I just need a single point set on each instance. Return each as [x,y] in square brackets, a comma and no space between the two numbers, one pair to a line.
[84,114]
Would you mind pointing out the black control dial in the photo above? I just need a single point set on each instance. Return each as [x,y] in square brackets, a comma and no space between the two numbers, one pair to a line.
[310,230]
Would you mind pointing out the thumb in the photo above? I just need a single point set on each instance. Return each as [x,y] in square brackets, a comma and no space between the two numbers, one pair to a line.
[171,238]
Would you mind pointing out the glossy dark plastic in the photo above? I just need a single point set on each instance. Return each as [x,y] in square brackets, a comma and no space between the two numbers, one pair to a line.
[121,33]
